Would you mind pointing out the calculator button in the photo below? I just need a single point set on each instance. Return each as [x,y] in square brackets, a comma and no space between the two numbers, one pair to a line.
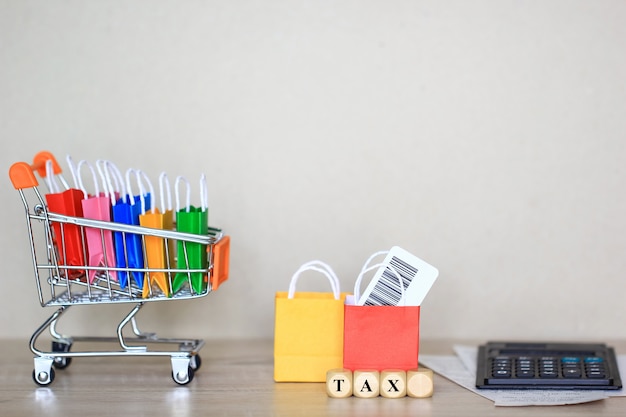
[501,367]
[548,368]
[525,373]
[548,364]
[572,373]
[525,367]
[501,373]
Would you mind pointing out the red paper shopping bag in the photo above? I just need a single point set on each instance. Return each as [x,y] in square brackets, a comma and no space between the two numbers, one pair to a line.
[67,237]
[380,337]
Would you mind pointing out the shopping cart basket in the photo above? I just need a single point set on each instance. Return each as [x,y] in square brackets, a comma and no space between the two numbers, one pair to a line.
[63,284]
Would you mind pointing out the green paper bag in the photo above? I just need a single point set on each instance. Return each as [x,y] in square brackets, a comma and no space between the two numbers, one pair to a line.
[191,256]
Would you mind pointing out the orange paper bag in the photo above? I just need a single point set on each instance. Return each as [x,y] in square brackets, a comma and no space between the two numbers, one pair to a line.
[156,255]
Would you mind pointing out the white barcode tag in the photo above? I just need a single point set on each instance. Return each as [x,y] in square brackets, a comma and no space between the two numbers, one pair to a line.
[384,288]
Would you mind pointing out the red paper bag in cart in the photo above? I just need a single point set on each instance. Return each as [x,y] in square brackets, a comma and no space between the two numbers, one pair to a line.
[99,241]
[308,332]
[67,237]
[380,337]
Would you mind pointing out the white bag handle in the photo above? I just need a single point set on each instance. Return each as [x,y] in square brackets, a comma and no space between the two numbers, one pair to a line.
[318,266]
[315,265]
[366,269]
[323,265]
[105,174]
[204,193]
[80,178]
[70,164]
[53,186]
[371,258]
[118,178]
[141,177]
[164,183]
[129,189]
[180,179]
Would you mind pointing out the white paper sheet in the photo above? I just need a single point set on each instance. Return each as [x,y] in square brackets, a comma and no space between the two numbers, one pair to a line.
[461,369]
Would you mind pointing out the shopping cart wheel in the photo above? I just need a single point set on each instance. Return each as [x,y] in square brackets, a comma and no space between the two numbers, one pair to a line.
[61,362]
[195,362]
[183,378]
[182,369]
[43,378]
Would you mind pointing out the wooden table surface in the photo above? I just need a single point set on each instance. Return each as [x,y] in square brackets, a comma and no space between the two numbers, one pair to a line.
[235,380]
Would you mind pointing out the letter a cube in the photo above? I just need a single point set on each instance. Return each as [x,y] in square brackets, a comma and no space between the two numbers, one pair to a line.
[366,383]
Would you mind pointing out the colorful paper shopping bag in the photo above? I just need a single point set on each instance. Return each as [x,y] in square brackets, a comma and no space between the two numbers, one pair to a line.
[121,212]
[129,246]
[191,256]
[308,330]
[156,255]
[221,261]
[380,337]
[67,237]
[99,241]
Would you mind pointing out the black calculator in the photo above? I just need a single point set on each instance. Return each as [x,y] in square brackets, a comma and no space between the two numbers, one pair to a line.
[513,365]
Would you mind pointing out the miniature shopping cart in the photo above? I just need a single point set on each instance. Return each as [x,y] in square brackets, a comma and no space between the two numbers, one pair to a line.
[63,284]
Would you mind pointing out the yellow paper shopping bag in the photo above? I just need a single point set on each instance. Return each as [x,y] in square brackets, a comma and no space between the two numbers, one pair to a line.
[308,332]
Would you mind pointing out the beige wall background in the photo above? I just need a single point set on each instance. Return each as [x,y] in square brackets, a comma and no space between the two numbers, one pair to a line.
[485,137]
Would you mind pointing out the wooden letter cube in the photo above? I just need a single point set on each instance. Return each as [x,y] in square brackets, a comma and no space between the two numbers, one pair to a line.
[366,383]
[339,383]
[419,383]
[393,383]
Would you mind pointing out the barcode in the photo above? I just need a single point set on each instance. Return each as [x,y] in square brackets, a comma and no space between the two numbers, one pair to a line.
[387,289]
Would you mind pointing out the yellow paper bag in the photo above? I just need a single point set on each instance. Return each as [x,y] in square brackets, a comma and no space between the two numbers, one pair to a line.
[308,332]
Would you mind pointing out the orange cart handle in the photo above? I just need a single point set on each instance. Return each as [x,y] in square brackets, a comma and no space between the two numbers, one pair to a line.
[23,175]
